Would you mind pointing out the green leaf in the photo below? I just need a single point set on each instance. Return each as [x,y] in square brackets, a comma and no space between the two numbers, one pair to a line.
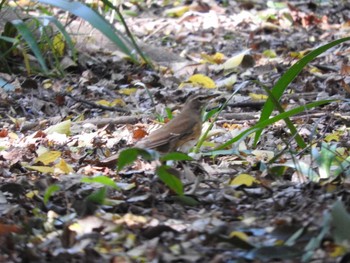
[172,181]
[176,156]
[289,123]
[288,77]
[205,134]
[98,197]
[324,159]
[30,40]
[211,113]
[262,124]
[303,168]
[96,20]
[104,180]
[186,200]
[340,223]
[128,156]
[169,113]
[50,191]
[63,31]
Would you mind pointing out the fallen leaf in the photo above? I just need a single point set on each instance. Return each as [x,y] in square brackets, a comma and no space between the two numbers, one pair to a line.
[244,179]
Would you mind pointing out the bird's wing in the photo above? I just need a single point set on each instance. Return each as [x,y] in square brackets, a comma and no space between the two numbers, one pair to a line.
[166,134]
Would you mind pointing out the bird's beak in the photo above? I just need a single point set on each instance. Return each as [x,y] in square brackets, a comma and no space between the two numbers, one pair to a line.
[212,96]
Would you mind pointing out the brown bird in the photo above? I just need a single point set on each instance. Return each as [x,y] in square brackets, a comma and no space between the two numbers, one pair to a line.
[185,128]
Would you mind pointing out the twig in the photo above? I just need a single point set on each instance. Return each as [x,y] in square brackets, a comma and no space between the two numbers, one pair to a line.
[95,105]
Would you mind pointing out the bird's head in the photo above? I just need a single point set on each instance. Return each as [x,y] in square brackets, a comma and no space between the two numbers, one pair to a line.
[197,101]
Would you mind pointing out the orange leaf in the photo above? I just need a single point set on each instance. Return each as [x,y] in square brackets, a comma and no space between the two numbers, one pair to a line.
[139,133]
[7,229]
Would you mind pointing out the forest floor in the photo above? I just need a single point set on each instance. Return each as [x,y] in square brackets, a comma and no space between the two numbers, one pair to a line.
[61,201]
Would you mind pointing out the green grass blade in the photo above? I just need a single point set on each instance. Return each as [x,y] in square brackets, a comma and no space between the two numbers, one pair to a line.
[289,76]
[288,122]
[96,20]
[262,124]
[63,31]
[128,32]
[30,40]
[205,134]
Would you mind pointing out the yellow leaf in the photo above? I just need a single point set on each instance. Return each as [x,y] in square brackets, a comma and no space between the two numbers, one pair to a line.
[118,102]
[48,157]
[299,54]
[31,194]
[235,61]
[217,58]
[177,11]
[202,80]
[240,235]
[335,136]
[42,169]
[315,70]
[62,128]
[47,83]
[227,82]
[76,227]
[58,45]
[270,53]
[103,103]
[244,179]
[127,91]
[254,96]
[64,167]
[41,150]
[337,251]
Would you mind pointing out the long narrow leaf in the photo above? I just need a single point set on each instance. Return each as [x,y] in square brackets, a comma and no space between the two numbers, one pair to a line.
[96,20]
[289,76]
[262,124]
[30,40]
[63,31]
[288,122]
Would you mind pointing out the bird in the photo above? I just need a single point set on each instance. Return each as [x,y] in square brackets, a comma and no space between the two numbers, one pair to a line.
[183,130]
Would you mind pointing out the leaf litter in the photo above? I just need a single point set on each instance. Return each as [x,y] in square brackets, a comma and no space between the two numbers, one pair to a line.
[268,204]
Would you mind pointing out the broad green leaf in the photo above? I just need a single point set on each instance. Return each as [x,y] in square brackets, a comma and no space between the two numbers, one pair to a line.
[186,200]
[172,181]
[303,168]
[104,180]
[50,191]
[176,156]
[98,197]
[340,223]
[128,156]
[325,160]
